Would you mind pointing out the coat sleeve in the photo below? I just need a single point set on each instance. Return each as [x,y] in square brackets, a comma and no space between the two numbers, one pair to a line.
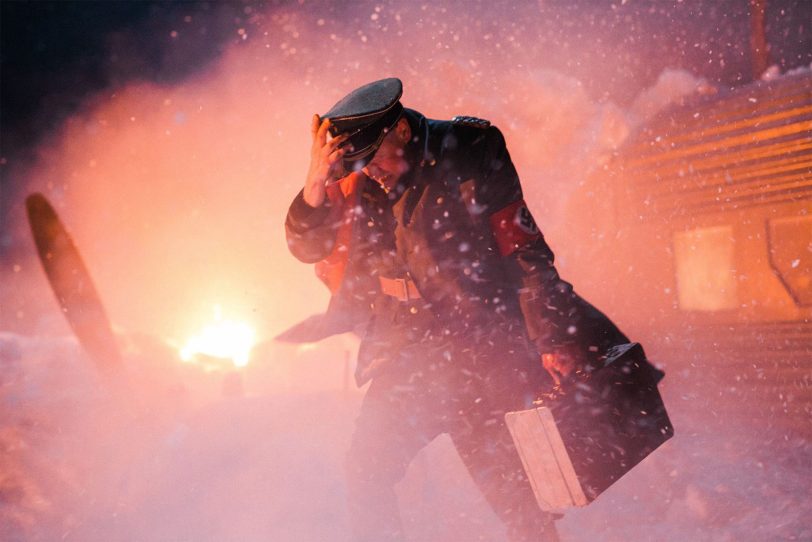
[311,231]
[548,304]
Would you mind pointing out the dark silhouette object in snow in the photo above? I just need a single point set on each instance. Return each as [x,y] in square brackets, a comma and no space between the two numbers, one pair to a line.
[71,283]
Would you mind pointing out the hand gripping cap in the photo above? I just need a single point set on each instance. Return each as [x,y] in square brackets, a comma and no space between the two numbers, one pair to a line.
[366,114]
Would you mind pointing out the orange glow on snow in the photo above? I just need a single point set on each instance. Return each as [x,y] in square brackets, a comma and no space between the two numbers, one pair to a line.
[223,339]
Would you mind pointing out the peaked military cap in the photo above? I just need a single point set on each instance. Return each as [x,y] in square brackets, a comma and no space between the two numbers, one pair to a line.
[366,114]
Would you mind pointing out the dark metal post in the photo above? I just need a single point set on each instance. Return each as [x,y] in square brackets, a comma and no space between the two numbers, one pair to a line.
[758,38]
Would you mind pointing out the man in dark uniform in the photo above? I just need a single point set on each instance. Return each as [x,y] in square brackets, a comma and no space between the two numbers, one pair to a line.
[420,230]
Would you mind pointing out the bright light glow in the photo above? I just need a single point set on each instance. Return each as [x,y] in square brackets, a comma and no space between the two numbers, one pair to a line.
[225,339]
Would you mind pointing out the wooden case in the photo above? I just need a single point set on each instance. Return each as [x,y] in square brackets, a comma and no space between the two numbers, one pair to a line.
[578,443]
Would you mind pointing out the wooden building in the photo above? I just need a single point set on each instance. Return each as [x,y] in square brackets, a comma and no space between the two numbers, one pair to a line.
[700,238]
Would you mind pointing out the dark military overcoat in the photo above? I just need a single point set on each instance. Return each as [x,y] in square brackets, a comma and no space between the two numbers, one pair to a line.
[459,228]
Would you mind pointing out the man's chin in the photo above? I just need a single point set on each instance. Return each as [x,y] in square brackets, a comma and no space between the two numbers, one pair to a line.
[387,182]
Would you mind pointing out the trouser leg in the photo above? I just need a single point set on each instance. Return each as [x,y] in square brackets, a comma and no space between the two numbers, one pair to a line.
[486,446]
[488,453]
[389,432]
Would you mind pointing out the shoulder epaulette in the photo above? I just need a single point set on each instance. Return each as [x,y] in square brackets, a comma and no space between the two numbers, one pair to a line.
[474,122]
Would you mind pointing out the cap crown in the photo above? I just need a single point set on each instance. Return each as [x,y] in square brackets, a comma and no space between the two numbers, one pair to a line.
[367,102]
[366,114]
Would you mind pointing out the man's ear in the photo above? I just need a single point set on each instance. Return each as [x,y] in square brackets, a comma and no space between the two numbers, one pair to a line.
[403,130]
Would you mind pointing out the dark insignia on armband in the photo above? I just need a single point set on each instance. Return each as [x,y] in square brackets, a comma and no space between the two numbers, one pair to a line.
[513,227]
[473,122]
[524,220]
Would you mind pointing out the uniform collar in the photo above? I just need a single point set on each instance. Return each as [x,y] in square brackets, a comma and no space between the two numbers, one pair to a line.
[416,151]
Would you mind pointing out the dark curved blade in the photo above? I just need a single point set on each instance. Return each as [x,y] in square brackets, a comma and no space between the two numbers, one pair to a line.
[310,330]
[71,283]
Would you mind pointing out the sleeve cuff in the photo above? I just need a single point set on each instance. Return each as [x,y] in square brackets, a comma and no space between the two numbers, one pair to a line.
[304,217]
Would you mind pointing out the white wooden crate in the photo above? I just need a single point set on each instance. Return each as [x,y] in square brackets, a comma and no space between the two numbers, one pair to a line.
[545,459]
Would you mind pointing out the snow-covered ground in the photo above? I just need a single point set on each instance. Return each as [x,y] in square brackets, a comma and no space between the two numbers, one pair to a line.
[164,454]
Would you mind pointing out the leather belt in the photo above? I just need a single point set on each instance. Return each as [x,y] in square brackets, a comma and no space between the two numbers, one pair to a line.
[401,289]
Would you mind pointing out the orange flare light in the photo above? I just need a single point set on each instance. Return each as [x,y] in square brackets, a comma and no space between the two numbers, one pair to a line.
[223,339]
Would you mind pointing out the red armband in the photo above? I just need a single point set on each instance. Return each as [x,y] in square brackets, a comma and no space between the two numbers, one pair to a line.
[514,227]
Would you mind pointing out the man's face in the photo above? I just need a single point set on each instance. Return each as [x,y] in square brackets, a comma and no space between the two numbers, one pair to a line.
[388,165]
